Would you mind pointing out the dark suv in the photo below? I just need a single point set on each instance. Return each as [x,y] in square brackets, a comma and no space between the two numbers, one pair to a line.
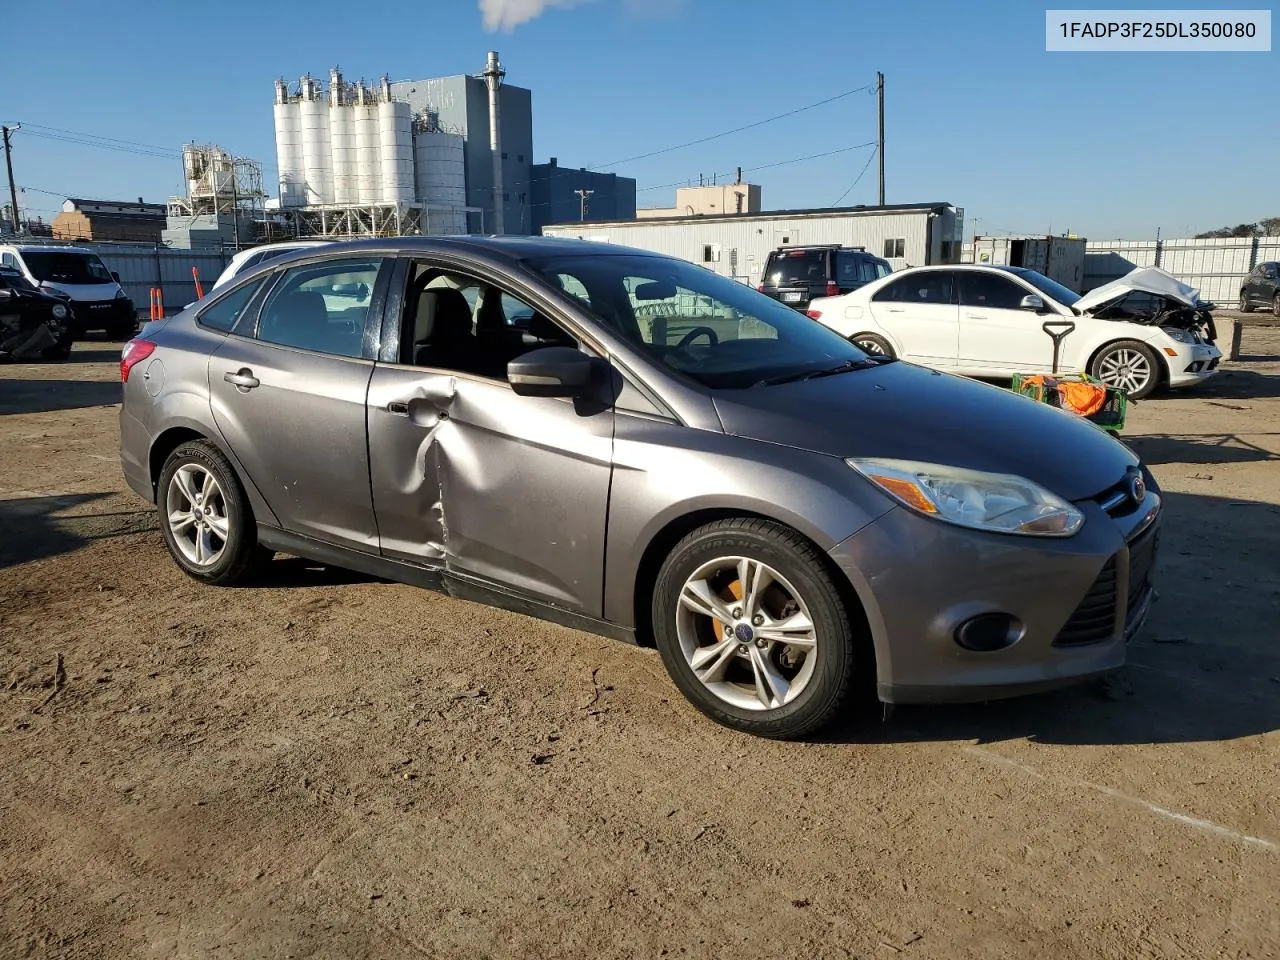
[1261,288]
[796,275]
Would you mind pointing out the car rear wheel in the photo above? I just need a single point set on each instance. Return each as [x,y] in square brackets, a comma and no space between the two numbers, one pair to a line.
[1275,305]
[1245,305]
[1128,365]
[873,343]
[205,516]
[752,628]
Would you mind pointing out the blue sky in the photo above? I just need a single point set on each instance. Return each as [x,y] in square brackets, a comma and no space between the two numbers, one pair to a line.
[977,113]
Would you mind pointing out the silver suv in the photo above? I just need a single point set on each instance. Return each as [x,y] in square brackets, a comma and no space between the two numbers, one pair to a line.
[632,445]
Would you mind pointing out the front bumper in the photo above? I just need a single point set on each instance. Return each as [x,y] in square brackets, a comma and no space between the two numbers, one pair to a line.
[1193,364]
[1078,600]
[102,314]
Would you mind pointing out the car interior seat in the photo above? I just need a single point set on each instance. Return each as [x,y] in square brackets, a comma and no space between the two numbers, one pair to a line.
[442,334]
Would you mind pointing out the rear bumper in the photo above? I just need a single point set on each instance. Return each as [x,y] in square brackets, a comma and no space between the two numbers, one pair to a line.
[135,447]
[919,580]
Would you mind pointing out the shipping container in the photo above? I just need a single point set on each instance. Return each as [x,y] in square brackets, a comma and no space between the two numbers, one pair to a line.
[1058,258]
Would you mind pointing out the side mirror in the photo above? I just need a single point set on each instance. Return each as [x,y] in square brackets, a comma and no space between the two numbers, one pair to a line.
[115,276]
[552,372]
[1032,302]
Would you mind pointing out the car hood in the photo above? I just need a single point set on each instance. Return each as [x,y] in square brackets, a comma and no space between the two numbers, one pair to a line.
[903,411]
[1144,280]
[88,292]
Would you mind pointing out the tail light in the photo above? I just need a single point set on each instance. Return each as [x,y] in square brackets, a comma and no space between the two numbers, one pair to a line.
[813,314]
[832,289]
[135,351]
[760,288]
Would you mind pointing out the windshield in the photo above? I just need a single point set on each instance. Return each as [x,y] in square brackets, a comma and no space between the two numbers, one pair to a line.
[709,328]
[60,267]
[1052,288]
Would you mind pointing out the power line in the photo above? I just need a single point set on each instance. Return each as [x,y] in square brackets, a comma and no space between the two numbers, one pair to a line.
[766,166]
[749,126]
[860,175]
[93,136]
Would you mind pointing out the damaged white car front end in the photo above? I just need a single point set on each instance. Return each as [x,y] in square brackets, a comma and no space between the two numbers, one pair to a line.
[1156,299]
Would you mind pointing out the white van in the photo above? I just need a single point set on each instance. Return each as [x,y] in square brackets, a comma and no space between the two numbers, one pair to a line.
[97,300]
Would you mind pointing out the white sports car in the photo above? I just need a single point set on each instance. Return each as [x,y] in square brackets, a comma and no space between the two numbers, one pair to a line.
[1138,333]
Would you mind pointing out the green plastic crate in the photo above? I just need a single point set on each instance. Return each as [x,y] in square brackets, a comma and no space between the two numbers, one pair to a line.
[1110,418]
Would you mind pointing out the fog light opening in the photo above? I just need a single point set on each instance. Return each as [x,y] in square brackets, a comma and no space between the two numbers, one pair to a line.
[989,632]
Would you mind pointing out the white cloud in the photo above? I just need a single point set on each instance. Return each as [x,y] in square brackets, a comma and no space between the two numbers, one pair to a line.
[509,14]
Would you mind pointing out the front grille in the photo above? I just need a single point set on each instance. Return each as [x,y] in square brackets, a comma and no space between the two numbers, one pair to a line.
[1094,620]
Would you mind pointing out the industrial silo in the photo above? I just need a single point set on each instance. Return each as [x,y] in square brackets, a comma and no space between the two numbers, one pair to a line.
[317,159]
[440,184]
[368,162]
[395,143]
[342,141]
[289,148]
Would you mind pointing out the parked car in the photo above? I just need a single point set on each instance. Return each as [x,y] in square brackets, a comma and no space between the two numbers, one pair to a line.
[654,453]
[1261,288]
[94,295]
[796,275]
[34,325]
[1138,333]
[250,257]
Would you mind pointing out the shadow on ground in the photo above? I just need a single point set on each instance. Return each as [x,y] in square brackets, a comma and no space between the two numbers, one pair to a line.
[31,528]
[1200,448]
[42,396]
[1206,667]
[285,572]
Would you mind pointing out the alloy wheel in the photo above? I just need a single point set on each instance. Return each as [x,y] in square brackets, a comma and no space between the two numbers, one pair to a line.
[197,514]
[869,346]
[746,633]
[1125,369]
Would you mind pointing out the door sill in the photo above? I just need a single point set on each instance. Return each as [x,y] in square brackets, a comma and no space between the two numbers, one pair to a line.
[441,580]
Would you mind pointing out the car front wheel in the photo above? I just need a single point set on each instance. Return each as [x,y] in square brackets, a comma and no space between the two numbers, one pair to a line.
[205,517]
[1275,305]
[752,628]
[1129,366]
[873,343]
[1245,305]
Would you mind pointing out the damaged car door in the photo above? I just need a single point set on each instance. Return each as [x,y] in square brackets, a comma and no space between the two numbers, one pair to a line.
[470,477]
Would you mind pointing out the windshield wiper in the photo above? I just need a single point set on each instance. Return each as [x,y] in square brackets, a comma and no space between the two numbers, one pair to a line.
[813,374]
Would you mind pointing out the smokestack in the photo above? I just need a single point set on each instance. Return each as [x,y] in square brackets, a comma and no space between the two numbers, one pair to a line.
[493,74]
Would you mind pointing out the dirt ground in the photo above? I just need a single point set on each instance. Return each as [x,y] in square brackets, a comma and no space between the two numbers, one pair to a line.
[328,766]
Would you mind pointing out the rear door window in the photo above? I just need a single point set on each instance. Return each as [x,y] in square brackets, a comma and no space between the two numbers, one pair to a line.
[980,289]
[792,267]
[321,307]
[932,287]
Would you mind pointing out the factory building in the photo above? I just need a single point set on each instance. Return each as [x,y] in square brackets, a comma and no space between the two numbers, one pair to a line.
[905,234]
[82,219]
[708,200]
[564,194]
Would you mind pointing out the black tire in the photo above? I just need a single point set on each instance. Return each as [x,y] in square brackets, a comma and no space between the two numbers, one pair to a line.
[1245,305]
[242,557]
[57,354]
[796,559]
[1275,306]
[1155,365]
[873,343]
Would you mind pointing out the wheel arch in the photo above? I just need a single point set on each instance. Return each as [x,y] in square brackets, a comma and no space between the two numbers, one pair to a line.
[1162,366]
[184,431]
[676,529]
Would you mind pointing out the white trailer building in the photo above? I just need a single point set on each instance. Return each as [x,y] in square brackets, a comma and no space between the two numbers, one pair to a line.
[735,245]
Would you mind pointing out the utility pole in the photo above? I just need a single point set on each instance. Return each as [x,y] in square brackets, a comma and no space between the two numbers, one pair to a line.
[880,145]
[13,190]
[582,202]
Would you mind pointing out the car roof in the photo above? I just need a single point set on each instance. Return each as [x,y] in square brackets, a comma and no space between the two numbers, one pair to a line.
[46,248]
[511,248]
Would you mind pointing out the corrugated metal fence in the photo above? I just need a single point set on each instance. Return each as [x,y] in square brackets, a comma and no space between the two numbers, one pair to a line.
[1214,266]
[143,266]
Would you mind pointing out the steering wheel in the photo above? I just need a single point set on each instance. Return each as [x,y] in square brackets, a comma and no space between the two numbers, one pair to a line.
[696,332]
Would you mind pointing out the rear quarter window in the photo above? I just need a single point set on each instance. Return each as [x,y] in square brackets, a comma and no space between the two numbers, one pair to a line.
[222,315]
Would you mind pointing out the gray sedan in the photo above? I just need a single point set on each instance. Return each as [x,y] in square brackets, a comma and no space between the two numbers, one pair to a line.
[632,445]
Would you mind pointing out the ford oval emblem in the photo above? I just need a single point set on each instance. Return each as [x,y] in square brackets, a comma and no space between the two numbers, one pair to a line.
[1137,488]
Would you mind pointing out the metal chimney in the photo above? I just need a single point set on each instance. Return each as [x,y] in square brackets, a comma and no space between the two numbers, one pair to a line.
[493,74]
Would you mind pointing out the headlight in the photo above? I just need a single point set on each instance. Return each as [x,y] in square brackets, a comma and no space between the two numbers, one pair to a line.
[120,294]
[59,311]
[1177,333]
[995,502]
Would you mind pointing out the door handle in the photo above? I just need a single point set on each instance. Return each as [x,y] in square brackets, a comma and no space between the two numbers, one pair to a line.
[399,407]
[243,379]
[895,310]
[975,316]
[417,410]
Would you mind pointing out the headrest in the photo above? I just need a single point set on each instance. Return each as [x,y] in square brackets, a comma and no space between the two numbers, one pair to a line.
[443,317]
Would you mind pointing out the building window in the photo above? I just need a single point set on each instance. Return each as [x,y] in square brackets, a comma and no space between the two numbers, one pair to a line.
[504,156]
[895,248]
[706,253]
